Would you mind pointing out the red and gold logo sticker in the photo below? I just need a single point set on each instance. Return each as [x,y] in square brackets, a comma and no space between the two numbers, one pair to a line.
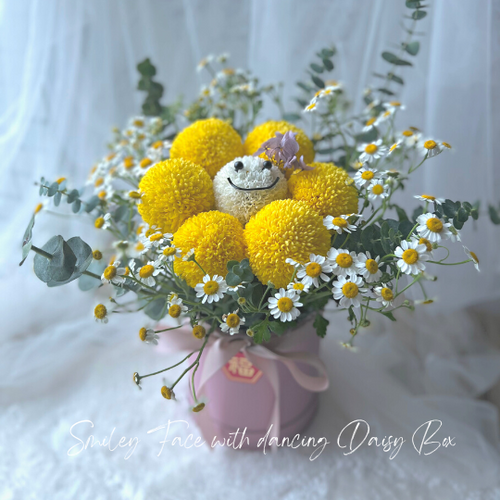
[239,369]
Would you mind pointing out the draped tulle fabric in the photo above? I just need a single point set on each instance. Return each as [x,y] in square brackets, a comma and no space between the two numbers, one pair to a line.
[68,75]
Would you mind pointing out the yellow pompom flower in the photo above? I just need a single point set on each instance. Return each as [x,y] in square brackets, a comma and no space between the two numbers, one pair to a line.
[265,131]
[327,189]
[216,239]
[210,143]
[284,229]
[172,191]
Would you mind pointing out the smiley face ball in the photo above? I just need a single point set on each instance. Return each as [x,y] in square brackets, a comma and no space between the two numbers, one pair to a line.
[246,184]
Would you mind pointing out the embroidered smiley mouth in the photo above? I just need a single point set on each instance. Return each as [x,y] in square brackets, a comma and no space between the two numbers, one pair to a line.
[253,189]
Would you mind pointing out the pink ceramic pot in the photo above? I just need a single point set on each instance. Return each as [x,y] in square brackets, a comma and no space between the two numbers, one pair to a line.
[240,396]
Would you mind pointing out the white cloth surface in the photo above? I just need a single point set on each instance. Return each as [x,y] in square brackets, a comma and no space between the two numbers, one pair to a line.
[68,74]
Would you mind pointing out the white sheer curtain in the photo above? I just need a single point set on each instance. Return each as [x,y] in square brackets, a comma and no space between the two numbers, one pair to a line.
[68,74]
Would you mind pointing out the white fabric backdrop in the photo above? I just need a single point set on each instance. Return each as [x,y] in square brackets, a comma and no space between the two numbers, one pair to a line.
[68,75]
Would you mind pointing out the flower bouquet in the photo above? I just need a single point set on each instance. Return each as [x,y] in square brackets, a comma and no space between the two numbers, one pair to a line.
[241,231]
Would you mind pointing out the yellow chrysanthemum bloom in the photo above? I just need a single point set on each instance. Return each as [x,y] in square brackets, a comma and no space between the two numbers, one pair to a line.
[284,229]
[216,239]
[172,191]
[210,143]
[265,131]
[327,189]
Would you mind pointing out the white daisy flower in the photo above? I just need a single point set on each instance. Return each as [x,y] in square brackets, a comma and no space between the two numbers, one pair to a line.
[424,241]
[212,289]
[176,308]
[349,291]
[298,287]
[232,323]
[471,255]
[428,198]
[343,263]
[364,176]
[383,117]
[368,267]
[369,124]
[293,263]
[112,274]
[148,272]
[204,62]
[411,256]
[378,190]
[311,106]
[384,295]
[101,313]
[339,224]
[168,254]
[316,268]
[284,305]
[372,151]
[394,105]
[148,335]
[410,137]
[432,147]
[395,146]
[433,228]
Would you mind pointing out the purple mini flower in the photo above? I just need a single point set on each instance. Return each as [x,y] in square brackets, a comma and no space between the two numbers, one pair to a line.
[283,149]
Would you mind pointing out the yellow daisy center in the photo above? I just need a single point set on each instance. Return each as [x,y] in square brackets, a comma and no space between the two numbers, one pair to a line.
[372,266]
[285,304]
[166,392]
[139,247]
[446,145]
[110,156]
[350,290]
[199,331]
[100,311]
[311,106]
[428,197]
[434,224]
[300,286]
[339,222]
[387,294]
[38,207]
[371,149]
[61,180]
[410,256]
[174,310]
[344,260]
[102,195]
[233,320]
[109,272]
[395,104]
[156,237]
[145,162]
[474,257]
[128,162]
[430,144]
[367,175]
[157,145]
[426,242]
[146,271]
[371,121]
[99,182]
[407,133]
[99,222]
[393,147]
[211,287]
[138,123]
[313,270]
[134,195]
[149,232]
[143,334]
[377,189]
[97,255]
[169,251]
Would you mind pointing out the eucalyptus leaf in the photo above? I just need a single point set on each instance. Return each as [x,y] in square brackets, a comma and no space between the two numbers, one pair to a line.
[325,53]
[62,264]
[327,64]
[412,48]
[318,81]
[317,68]
[72,196]
[232,279]
[393,59]
[157,308]
[91,203]
[419,14]
[28,235]
[76,205]
[85,282]
[145,68]
[57,198]
[54,187]
[120,213]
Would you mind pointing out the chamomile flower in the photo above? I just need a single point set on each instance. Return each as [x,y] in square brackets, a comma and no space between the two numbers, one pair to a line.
[176,308]
[343,263]
[432,147]
[112,274]
[378,190]
[232,323]
[298,287]
[364,176]
[369,124]
[148,335]
[429,198]
[169,253]
[433,228]
[411,256]
[368,267]
[284,305]
[372,151]
[311,106]
[424,241]
[384,295]
[158,239]
[349,291]
[204,62]
[316,268]
[339,224]
[394,106]
[148,272]
[410,137]
[101,313]
[383,117]
[212,289]
[471,255]
[395,146]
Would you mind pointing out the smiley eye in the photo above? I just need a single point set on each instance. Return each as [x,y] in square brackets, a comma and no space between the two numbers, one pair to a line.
[268,165]
[238,165]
